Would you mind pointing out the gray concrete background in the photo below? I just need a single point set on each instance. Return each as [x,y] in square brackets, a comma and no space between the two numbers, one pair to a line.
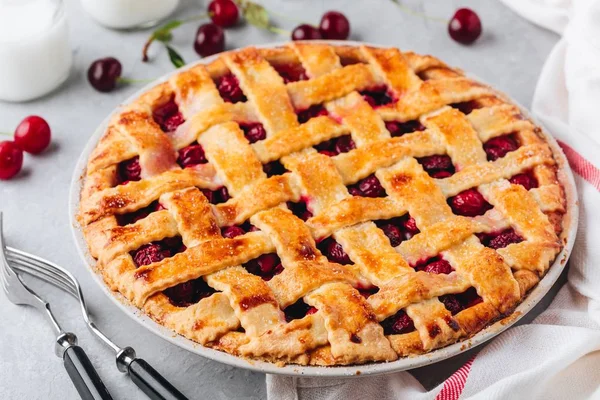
[509,55]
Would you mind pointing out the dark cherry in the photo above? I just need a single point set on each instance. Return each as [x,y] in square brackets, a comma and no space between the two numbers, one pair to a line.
[104,73]
[291,72]
[230,90]
[328,153]
[150,253]
[168,116]
[354,191]
[398,323]
[223,12]
[130,170]
[393,233]
[254,132]
[433,165]
[371,187]
[142,213]
[266,266]
[232,231]
[298,310]
[191,155]
[344,144]
[300,210]
[11,159]
[499,146]
[451,303]
[465,26]
[466,106]
[274,168]
[327,145]
[210,39]
[311,112]
[469,203]
[397,128]
[410,227]
[440,174]
[188,293]
[336,253]
[334,26]
[526,180]
[505,238]
[306,32]
[223,194]
[220,195]
[210,195]
[438,267]
[378,96]
[33,134]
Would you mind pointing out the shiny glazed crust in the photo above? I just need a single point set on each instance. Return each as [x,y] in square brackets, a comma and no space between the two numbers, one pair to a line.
[346,328]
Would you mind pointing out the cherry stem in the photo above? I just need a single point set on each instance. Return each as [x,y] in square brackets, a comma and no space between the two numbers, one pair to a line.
[181,22]
[129,80]
[278,31]
[414,13]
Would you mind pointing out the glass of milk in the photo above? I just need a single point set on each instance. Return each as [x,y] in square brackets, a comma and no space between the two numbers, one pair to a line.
[35,56]
[129,14]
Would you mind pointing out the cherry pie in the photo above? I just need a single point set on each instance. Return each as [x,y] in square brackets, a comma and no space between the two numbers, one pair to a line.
[322,205]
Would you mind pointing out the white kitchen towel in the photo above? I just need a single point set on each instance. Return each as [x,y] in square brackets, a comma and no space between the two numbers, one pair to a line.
[558,355]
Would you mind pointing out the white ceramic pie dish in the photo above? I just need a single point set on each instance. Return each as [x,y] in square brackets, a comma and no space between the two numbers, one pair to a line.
[570,222]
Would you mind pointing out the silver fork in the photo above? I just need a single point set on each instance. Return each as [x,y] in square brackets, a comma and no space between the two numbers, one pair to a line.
[78,365]
[142,374]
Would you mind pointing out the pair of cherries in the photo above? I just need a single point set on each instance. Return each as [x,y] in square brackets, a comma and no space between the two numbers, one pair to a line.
[31,136]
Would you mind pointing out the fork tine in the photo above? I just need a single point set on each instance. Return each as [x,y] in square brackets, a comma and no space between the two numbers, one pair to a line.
[44,275]
[42,266]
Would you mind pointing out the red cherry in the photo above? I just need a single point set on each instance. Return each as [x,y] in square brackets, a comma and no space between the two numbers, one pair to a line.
[11,159]
[451,303]
[439,267]
[191,155]
[232,231]
[499,146]
[254,132]
[335,26]
[223,12]
[336,253]
[210,39]
[436,163]
[410,226]
[344,144]
[504,239]
[313,111]
[104,73]
[469,203]
[150,253]
[371,187]
[230,90]
[525,180]
[393,233]
[397,324]
[33,134]
[465,26]
[306,32]
[130,170]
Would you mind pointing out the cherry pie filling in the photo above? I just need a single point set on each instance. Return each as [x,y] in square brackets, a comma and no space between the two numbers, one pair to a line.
[298,310]
[455,303]
[499,146]
[397,128]
[466,106]
[229,89]
[300,209]
[253,131]
[335,146]
[398,229]
[291,72]
[469,203]
[237,230]
[378,96]
[167,116]
[313,111]
[129,170]
[334,251]
[367,187]
[500,239]
[142,213]
[437,166]
[526,179]
[220,195]
[274,168]
[397,324]
[191,155]
[266,266]
[434,265]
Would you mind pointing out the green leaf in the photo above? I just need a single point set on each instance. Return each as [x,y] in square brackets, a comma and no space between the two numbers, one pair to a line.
[163,34]
[175,57]
[256,15]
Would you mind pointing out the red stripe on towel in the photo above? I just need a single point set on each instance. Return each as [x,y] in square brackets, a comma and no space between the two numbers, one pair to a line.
[581,166]
[454,385]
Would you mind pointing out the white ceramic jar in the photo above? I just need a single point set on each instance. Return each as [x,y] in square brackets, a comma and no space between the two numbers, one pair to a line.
[35,56]
[128,14]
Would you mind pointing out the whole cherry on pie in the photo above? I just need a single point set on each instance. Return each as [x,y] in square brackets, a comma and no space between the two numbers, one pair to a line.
[11,159]
[465,26]
[209,40]
[33,134]
[469,203]
[223,12]
[499,146]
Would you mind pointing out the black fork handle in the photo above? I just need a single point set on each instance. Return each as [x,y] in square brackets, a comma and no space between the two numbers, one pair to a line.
[84,375]
[153,384]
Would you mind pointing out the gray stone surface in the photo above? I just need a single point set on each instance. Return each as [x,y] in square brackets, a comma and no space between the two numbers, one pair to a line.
[509,55]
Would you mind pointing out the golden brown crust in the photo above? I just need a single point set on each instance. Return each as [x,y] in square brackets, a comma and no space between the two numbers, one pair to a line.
[346,328]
